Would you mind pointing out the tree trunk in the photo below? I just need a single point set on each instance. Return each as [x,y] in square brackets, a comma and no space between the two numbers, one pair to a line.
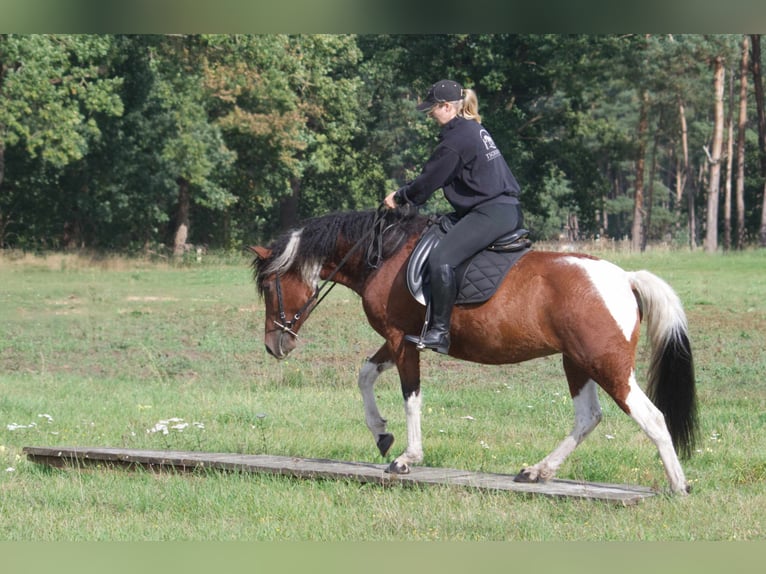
[714,185]
[650,194]
[3,217]
[758,86]
[685,173]
[638,200]
[573,227]
[741,127]
[288,207]
[680,179]
[182,217]
[729,162]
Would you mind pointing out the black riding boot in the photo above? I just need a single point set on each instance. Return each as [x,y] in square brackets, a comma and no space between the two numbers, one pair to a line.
[443,294]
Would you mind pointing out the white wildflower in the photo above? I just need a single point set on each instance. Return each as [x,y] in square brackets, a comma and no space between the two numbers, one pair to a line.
[16,426]
[173,424]
[161,426]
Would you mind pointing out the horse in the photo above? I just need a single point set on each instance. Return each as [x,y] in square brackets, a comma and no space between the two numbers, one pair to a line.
[582,307]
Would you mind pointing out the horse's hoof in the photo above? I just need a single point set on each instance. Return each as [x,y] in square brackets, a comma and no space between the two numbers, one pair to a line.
[384,443]
[398,468]
[525,475]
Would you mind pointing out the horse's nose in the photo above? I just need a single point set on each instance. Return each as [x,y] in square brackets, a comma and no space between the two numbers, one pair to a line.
[279,354]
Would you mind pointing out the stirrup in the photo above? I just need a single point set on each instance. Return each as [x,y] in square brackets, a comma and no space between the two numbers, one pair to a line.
[417,340]
[441,346]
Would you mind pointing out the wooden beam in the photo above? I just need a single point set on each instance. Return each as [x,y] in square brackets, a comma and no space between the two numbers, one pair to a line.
[308,468]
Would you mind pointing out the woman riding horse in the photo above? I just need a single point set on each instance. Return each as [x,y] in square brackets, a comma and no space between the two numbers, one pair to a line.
[479,185]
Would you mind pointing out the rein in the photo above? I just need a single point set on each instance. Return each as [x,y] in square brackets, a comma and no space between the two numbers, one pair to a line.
[373,259]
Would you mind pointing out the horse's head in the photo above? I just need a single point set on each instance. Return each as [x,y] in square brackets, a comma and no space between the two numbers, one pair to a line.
[288,300]
[287,273]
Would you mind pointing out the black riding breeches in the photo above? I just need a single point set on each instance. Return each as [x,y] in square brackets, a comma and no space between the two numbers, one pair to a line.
[473,232]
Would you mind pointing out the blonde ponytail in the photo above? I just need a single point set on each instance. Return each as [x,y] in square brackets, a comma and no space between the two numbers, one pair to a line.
[469,106]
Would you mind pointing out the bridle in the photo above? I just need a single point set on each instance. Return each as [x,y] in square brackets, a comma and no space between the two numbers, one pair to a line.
[287,326]
[374,257]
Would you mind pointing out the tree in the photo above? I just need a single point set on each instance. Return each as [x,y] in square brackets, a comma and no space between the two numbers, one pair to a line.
[163,161]
[711,240]
[739,241]
[193,149]
[686,120]
[290,107]
[637,241]
[53,96]
[761,110]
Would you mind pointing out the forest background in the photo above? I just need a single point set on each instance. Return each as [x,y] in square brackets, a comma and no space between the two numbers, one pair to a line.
[163,143]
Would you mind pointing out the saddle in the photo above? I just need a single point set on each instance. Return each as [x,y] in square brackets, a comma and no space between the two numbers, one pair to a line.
[479,276]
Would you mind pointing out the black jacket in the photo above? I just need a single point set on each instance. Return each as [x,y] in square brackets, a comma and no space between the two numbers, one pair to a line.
[467,165]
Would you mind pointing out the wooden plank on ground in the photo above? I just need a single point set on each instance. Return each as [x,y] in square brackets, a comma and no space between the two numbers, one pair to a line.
[68,457]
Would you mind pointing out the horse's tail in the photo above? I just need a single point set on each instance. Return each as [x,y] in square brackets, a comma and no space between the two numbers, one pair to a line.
[671,385]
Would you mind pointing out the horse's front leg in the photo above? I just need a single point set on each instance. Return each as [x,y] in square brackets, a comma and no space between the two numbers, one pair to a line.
[369,373]
[408,364]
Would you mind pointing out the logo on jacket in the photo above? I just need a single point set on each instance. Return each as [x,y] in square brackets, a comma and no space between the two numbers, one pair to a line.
[489,145]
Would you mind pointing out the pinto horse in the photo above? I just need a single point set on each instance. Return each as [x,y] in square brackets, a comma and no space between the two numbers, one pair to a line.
[585,308]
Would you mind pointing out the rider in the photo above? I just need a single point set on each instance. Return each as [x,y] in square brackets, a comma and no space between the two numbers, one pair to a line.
[479,186]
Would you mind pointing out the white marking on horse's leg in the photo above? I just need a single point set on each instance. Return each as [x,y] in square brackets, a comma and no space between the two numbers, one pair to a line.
[652,422]
[368,374]
[414,451]
[587,416]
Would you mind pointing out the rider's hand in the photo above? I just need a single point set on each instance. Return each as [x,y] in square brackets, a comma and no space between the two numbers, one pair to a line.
[390,202]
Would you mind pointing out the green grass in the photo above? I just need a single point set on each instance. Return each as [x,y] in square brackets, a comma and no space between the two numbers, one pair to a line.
[106,348]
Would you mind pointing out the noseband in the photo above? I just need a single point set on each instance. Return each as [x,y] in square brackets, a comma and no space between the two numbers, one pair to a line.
[374,257]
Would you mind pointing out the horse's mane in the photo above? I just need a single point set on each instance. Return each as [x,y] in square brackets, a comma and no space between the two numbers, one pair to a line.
[305,248]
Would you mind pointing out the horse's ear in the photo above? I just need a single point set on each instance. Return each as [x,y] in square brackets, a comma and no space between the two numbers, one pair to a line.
[260,252]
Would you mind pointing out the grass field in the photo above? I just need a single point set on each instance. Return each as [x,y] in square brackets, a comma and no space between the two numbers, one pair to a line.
[100,351]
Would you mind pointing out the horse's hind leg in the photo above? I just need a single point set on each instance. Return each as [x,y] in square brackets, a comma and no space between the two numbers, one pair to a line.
[652,422]
[587,409]
[368,374]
